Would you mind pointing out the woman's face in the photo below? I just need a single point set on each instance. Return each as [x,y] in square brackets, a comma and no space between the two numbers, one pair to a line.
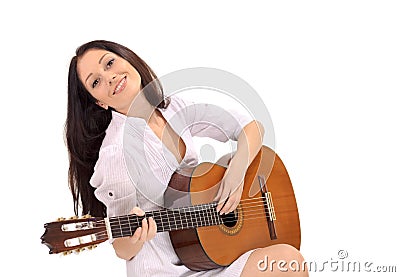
[113,81]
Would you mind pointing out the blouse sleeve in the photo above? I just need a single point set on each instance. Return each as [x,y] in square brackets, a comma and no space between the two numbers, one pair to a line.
[208,120]
[113,184]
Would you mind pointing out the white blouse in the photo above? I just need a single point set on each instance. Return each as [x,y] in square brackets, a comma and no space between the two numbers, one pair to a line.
[134,169]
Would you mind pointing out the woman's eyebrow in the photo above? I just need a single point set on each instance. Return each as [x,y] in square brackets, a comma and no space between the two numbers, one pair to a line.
[101,58]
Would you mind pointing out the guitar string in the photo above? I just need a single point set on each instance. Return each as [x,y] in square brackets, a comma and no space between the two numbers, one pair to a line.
[182,213]
[243,203]
[125,227]
[103,234]
[249,214]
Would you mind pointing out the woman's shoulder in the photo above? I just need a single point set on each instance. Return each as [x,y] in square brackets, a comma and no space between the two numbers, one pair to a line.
[179,107]
[114,132]
[177,102]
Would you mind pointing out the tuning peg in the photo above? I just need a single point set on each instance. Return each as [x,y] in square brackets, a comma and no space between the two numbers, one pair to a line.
[91,247]
[74,217]
[86,216]
[67,253]
[77,251]
[61,219]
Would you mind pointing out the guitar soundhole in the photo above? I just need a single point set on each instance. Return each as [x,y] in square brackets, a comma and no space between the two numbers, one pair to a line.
[230,220]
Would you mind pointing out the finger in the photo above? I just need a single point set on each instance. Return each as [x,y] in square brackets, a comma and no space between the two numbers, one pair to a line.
[232,202]
[137,211]
[136,235]
[230,205]
[152,229]
[223,200]
[145,227]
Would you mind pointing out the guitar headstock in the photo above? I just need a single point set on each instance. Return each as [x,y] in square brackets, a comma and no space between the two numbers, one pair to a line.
[74,234]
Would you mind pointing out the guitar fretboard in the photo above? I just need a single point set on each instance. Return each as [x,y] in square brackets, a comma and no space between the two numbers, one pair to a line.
[168,219]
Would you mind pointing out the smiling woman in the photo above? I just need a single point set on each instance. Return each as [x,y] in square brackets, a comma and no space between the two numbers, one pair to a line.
[88,116]
[107,76]
[109,88]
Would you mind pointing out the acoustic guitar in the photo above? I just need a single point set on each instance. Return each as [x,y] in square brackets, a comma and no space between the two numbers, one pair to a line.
[202,239]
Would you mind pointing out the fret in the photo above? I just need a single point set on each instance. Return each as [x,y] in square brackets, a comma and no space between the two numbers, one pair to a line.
[159,220]
[162,213]
[189,217]
[130,226]
[133,223]
[194,216]
[203,216]
[115,227]
[124,223]
[120,228]
[209,215]
[213,213]
[217,217]
[177,218]
[147,215]
[167,220]
[185,224]
[200,216]
[173,219]
[138,221]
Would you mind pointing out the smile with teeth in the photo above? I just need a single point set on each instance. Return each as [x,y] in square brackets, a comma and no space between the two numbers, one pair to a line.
[121,85]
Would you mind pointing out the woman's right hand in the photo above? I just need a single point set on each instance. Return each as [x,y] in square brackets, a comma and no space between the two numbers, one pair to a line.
[127,247]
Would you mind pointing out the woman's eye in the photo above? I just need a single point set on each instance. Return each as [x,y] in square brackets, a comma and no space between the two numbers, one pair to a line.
[94,84]
[110,63]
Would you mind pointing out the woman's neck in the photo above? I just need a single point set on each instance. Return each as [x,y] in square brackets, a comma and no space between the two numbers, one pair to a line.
[141,107]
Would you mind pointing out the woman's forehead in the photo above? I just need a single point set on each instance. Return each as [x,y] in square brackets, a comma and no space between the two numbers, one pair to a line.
[90,59]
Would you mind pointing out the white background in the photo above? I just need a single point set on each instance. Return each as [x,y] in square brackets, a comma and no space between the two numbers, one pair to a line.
[328,72]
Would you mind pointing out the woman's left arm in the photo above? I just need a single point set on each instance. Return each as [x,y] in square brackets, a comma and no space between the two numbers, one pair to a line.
[248,145]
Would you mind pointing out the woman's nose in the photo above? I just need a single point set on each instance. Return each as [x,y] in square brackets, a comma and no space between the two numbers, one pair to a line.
[113,77]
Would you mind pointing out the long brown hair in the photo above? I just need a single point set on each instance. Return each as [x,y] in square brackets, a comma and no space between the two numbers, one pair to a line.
[86,123]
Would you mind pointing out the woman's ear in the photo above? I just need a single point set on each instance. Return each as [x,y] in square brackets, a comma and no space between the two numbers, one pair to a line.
[101,104]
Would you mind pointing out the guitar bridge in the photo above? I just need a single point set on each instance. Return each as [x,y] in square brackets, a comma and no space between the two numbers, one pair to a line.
[268,207]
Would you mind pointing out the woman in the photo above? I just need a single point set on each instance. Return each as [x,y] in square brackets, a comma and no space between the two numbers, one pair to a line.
[113,96]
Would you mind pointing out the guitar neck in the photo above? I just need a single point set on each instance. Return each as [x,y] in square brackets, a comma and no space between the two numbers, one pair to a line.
[167,219]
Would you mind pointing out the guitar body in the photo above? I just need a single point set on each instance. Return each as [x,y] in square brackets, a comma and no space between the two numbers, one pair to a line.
[267,214]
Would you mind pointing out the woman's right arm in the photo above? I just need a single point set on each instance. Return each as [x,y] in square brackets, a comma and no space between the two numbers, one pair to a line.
[116,190]
[126,248]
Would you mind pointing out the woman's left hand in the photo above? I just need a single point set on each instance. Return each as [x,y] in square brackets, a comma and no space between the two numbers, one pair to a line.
[231,188]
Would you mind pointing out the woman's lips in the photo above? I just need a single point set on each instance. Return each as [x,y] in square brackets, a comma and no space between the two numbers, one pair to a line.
[120,86]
